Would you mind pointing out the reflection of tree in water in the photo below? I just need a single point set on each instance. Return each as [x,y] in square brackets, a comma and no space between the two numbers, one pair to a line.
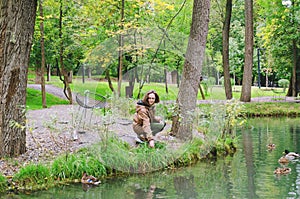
[185,186]
[148,193]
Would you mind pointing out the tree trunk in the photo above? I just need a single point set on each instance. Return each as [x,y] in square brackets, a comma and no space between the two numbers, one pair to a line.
[67,88]
[166,80]
[294,74]
[109,80]
[48,72]
[188,89]
[225,51]
[120,66]
[247,75]
[43,65]
[17,20]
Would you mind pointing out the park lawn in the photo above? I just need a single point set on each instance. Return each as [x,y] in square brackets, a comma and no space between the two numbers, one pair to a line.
[34,99]
[212,93]
[216,92]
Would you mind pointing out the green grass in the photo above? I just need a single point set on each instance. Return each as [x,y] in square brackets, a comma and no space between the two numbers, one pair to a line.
[34,99]
[213,93]
[272,109]
[3,183]
[72,166]
[33,175]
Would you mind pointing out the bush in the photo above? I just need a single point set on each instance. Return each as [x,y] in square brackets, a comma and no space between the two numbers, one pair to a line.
[72,166]
[33,175]
[284,83]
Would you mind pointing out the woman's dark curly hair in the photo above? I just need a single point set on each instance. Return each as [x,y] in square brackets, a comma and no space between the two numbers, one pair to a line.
[146,97]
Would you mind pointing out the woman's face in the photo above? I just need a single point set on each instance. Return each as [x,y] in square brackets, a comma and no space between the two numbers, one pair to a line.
[151,99]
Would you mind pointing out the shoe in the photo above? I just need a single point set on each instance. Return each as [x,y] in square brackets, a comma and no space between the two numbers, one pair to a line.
[172,134]
[138,141]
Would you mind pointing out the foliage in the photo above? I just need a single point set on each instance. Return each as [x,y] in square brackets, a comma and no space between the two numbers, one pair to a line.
[122,107]
[3,183]
[279,27]
[119,157]
[208,83]
[233,118]
[72,166]
[284,83]
[226,146]
[191,152]
[33,175]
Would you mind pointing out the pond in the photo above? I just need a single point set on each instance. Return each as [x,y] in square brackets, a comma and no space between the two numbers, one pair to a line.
[247,174]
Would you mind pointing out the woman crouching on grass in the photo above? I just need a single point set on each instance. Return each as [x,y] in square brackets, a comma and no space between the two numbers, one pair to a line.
[145,123]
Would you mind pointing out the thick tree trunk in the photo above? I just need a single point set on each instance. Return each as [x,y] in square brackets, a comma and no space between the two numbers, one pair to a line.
[188,89]
[247,75]
[225,51]
[17,20]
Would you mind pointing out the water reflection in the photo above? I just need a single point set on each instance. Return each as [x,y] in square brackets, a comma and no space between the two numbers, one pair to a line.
[149,193]
[248,174]
[185,186]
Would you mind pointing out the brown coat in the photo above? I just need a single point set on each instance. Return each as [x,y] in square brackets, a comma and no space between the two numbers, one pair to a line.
[144,116]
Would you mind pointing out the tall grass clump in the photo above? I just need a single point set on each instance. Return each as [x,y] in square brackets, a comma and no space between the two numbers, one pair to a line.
[3,183]
[219,123]
[190,152]
[119,157]
[33,175]
[122,107]
[71,167]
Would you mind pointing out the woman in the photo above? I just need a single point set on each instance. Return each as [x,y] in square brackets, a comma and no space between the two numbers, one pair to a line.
[145,123]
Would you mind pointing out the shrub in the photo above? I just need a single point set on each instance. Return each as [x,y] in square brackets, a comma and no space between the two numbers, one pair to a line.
[33,175]
[284,83]
[72,166]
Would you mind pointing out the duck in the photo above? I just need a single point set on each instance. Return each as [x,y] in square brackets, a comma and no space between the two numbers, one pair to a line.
[290,155]
[271,146]
[89,180]
[283,160]
[282,171]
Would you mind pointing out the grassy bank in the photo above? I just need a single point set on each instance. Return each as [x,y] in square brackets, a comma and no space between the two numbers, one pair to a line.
[272,109]
[108,158]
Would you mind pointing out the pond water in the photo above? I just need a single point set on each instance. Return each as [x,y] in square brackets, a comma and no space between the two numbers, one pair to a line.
[248,174]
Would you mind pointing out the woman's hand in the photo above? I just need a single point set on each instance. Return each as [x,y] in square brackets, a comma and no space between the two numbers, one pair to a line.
[151,143]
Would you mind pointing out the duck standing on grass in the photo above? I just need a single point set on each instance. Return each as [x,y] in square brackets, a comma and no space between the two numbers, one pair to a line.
[290,155]
[90,180]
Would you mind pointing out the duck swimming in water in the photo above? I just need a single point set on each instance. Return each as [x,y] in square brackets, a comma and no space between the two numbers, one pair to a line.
[283,160]
[290,155]
[271,146]
[282,171]
[90,180]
